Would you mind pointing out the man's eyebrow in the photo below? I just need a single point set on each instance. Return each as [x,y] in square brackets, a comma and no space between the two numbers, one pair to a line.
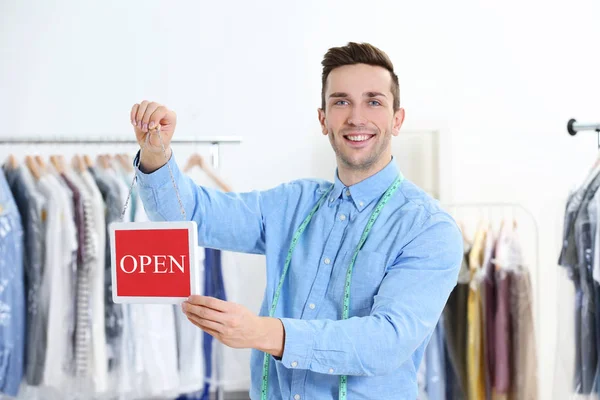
[338,94]
[374,94]
[366,94]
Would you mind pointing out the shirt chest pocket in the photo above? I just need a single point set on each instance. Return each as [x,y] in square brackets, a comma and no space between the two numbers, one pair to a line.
[367,274]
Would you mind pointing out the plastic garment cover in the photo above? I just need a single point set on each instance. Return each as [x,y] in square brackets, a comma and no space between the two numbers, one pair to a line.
[12,296]
[30,204]
[578,301]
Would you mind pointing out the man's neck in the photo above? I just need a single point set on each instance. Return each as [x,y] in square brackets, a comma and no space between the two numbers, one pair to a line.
[351,176]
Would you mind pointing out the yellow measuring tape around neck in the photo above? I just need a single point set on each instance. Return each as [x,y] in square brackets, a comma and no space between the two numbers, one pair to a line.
[346,303]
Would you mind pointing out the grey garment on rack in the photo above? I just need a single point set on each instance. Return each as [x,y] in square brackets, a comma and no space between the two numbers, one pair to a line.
[588,332]
[524,354]
[113,311]
[576,257]
[30,204]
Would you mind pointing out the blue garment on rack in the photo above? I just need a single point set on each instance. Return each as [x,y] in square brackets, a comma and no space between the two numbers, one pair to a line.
[12,295]
[436,364]
[192,396]
[213,287]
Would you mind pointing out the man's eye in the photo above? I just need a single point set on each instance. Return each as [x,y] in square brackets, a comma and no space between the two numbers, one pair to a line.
[374,103]
[341,103]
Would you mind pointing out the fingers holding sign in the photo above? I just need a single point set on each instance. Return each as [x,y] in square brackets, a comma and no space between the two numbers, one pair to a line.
[232,324]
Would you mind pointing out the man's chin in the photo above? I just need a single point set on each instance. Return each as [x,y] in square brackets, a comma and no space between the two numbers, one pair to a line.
[358,164]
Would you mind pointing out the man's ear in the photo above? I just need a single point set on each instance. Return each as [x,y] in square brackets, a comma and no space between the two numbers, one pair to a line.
[398,120]
[322,121]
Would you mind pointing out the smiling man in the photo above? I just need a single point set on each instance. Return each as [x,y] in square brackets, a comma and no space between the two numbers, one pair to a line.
[358,269]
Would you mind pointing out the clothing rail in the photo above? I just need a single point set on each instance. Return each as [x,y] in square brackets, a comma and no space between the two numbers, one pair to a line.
[214,141]
[573,127]
[480,207]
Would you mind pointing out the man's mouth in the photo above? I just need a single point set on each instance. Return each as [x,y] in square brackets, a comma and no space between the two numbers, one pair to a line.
[358,139]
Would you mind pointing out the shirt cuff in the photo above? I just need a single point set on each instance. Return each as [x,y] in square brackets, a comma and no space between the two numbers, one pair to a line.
[298,345]
[158,178]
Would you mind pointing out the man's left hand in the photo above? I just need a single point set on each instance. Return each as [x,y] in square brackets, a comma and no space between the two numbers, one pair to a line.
[234,325]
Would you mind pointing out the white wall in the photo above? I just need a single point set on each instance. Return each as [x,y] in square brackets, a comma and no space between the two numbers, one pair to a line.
[498,80]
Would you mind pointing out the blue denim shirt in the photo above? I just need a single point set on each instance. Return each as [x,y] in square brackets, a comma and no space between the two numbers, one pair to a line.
[402,276]
[12,294]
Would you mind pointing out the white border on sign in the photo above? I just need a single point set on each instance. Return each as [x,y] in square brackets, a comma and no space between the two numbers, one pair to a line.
[192,228]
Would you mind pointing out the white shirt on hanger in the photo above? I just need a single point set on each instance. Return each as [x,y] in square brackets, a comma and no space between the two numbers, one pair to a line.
[61,315]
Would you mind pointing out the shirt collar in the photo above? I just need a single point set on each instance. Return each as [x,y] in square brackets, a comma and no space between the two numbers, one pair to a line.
[365,192]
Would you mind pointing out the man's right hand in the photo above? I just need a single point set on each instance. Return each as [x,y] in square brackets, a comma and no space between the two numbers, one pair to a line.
[145,118]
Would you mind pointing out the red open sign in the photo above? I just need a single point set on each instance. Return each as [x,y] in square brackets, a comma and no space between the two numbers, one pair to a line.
[153,262]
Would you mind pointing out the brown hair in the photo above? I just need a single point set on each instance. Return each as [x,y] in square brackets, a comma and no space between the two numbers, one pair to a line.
[358,53]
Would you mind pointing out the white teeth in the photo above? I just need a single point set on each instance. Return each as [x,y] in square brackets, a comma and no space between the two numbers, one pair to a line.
[358,138]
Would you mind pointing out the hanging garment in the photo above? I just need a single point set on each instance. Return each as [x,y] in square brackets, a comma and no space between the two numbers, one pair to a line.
[52,260]
[453,390]
[85,260]
[524,368]
[12,292]
[489,310]
[475,347]
[59,366]
[30,204]
[455,327]
[213,287]
[98,356]
[435,360]
[502,322]
[190,349]
[113,311]
[576,258]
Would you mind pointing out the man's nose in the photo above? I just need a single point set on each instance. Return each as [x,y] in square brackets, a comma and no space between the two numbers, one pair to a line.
[356,117]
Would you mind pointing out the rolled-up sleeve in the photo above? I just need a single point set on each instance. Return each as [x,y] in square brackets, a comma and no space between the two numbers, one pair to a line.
[406,309]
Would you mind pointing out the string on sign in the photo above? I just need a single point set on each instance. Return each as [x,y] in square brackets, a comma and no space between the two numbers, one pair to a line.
[164,150]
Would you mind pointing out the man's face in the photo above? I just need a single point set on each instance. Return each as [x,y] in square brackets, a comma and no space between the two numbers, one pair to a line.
[359,116]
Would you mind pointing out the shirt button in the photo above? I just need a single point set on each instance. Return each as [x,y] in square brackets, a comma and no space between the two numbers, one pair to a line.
[361,204]
[294,364]
[297,397]
[331,370]
[347,193]
[331,200]
[342,217]
[327,261]
[311,306]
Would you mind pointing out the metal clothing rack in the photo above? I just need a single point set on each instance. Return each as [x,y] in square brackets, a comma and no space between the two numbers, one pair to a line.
[480,207]
[214,141]
[573,127]
[215,147]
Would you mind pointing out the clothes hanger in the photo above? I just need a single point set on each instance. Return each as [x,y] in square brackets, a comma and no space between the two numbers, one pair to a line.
[41,164]
[12,162]
[33,167]
[55,161]
[197,160]
[77,163]
[125,162]
[102,160]
[88,161]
